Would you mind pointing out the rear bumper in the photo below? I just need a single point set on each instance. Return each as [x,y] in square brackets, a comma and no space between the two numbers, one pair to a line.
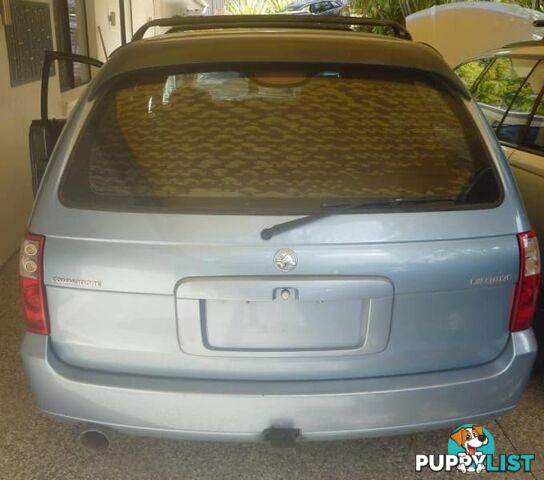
[240,411]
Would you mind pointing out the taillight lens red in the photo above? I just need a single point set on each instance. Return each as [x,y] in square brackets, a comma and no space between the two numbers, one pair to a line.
[32,287]
[528,286]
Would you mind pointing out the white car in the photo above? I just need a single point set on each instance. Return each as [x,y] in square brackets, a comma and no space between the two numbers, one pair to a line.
[508,84]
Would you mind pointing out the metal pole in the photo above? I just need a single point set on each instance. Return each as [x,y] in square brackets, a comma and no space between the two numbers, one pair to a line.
[122,22]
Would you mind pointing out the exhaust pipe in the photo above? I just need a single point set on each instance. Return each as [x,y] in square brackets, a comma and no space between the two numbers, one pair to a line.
[94,439]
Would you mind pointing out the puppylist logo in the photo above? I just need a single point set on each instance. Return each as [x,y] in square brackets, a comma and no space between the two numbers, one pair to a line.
[471,449]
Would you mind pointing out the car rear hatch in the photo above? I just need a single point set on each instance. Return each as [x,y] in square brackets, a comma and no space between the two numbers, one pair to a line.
[154,261]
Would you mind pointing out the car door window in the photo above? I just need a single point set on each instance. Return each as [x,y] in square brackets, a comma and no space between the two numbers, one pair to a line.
[471,71]
[533,137]
[517,117]
[321,7]
[498,88]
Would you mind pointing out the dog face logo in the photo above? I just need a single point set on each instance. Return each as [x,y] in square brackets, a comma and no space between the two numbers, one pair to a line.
[471,439]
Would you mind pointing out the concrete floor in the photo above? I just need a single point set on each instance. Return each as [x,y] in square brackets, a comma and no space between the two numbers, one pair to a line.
[34,447]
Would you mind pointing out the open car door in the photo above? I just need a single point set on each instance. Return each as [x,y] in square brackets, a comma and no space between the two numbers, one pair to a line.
[45,132]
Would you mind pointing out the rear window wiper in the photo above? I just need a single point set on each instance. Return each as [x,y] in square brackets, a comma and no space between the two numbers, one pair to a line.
[333,209]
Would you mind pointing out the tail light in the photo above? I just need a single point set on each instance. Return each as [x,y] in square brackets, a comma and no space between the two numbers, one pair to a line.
[528,286]
[32,288]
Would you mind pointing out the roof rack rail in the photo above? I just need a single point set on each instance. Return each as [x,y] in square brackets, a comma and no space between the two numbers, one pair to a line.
[274,21]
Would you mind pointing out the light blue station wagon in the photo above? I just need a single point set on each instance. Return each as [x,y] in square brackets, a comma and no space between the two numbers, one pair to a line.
[270,228]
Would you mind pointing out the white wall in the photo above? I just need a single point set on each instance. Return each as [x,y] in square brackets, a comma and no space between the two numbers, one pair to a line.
[18,106]
[111,34]
[98,12]
[145,10]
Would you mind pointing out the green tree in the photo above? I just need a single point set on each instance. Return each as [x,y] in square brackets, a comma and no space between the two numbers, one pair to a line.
[469,72]
[399,9]
[247,7]
[501,83]
[388,9]
[255,7]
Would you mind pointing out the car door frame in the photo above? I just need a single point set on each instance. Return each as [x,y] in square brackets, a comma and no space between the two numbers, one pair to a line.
[44,133]
[519,145]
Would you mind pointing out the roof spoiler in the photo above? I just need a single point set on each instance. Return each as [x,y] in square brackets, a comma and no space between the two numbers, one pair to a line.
[271,21]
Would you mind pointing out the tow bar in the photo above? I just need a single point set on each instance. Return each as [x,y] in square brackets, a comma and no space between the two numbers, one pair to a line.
[281,437]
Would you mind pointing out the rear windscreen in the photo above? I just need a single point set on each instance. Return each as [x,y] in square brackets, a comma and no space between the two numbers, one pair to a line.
[273,139]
